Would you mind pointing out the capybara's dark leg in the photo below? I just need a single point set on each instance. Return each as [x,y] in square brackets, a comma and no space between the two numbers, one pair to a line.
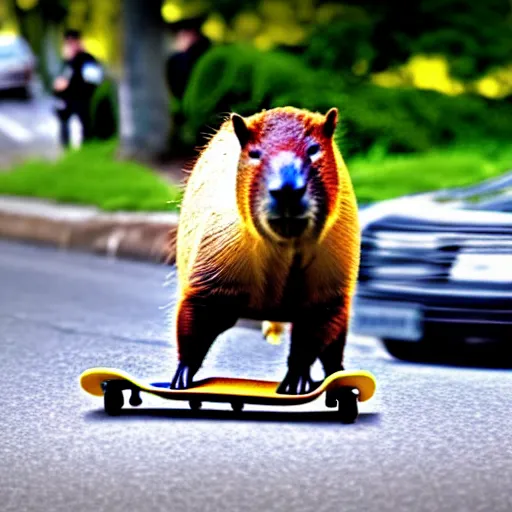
[313,333]
[331,358]
[302,355]
[199,322]
[331,355]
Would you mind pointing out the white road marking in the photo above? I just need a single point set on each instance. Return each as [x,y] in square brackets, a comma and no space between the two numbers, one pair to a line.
[14,130]
[49,127]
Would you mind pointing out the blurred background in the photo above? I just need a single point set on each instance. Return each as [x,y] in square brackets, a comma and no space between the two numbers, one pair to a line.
[405,81]
[424,91]
[408,79]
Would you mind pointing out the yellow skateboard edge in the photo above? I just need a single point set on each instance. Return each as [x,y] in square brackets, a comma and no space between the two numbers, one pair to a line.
[221,388]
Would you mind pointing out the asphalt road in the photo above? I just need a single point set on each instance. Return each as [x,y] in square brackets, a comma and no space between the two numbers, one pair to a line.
[433,438]
[28,128]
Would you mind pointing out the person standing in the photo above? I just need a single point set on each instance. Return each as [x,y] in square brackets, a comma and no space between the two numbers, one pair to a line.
[74,88]
[190,44]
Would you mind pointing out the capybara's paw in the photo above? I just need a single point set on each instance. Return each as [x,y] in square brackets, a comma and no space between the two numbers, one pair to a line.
[183,377]
[297,383]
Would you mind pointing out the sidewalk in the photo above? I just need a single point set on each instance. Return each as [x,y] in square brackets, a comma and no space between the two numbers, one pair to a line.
[142,236]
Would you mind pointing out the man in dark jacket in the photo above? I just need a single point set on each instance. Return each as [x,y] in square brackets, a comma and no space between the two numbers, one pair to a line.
[189,46]
[74,88]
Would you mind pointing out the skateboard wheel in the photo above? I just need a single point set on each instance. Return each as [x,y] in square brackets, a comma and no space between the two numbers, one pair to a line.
[135,399]
[237,406]
[195,405]
[347,406]
[113,401]
[331,400]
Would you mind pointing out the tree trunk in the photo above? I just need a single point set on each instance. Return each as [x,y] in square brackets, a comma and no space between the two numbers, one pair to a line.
[38,26]
[143,96]
[31,25]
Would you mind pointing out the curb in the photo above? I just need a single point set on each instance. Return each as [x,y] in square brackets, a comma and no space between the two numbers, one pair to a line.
[123,236]
[142,236]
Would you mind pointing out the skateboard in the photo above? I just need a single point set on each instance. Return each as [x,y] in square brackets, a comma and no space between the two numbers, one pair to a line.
[344,390]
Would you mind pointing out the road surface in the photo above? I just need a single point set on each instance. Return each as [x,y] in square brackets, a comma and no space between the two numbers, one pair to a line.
[432,438]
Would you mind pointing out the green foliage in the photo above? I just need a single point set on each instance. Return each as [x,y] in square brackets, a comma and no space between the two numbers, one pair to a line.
[406,120]
[33,24]
[244,80]
[54,10]
[93,176]
[239,78]
[229,9]
[474,36]
[340,46]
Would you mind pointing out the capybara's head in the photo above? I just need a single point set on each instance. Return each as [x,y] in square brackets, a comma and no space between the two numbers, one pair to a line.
[287,180]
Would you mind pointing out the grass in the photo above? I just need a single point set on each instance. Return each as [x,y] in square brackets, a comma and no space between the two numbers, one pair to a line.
[378,176]
[93,176]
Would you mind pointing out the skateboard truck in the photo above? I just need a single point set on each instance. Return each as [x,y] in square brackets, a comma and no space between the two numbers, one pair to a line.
[113,395]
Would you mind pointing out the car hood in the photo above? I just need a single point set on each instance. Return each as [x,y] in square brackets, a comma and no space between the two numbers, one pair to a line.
[446,216]
[486,204]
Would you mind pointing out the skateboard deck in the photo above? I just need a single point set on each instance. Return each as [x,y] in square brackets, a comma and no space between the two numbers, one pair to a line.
[340,386]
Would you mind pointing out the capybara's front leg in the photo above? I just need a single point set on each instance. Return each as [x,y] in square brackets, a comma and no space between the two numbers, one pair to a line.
[331,358]
[332,352]
[200,320]
[316,333]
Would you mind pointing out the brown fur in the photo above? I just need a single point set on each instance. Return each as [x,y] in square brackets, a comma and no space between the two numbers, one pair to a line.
[230,265]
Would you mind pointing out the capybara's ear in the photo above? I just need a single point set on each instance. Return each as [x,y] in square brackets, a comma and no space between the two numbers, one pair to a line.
[241,129]
[331,121]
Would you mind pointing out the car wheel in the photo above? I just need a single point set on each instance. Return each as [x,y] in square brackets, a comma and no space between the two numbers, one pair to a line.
[24,93]
[406,350]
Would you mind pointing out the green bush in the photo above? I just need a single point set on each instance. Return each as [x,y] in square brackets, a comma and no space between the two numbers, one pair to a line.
[242,79]
[238,78]
[474,37]
[340,46]
[410,120]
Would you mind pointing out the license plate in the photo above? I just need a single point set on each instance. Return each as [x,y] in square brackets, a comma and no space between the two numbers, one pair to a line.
[398,322]
[491,268]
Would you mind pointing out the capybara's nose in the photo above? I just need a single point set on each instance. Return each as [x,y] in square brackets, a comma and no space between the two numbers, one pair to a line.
[288,200]
[287,193]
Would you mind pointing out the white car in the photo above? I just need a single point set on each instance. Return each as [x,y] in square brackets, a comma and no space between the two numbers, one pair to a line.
[17,65]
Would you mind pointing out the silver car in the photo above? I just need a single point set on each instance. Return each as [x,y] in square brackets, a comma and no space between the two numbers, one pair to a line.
[17,65]
[436,275]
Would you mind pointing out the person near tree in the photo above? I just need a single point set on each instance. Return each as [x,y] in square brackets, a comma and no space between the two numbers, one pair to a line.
[75,86]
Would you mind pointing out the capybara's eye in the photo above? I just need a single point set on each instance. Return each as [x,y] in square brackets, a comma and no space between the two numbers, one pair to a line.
[313,149]
[255,153]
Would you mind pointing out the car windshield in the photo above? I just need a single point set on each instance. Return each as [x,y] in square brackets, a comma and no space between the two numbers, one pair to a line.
[492,195]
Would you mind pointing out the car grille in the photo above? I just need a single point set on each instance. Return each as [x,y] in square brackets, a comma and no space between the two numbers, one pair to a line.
[404,250]
[18,75]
